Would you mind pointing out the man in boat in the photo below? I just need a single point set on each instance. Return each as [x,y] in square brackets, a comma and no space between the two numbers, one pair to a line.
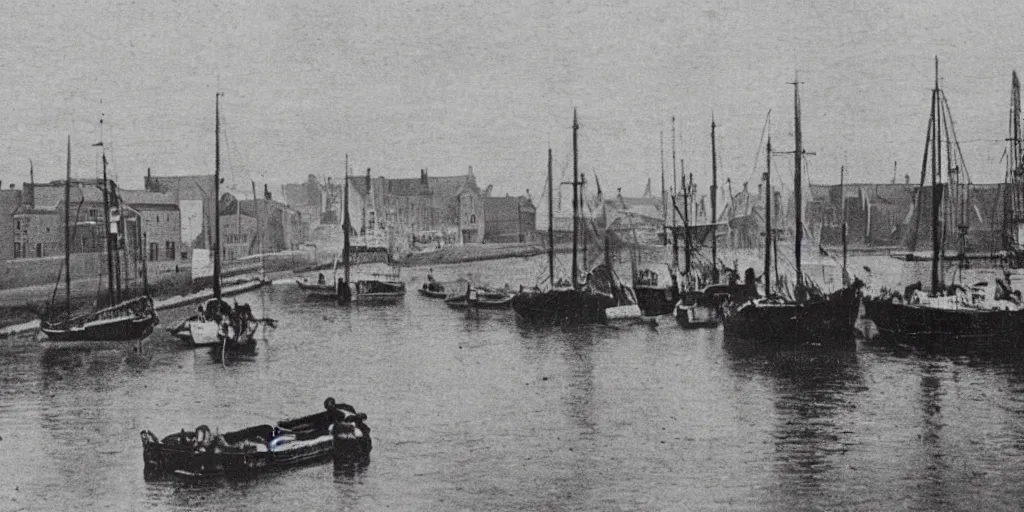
[320,279]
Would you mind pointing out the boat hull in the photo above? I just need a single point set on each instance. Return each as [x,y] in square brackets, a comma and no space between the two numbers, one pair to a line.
[562,306]
[931,327]
[655,301]
[324,291]
[130,320]
[260,448]
[827,321]
[433,294]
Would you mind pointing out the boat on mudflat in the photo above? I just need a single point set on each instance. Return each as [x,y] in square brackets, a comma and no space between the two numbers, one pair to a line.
[199,453]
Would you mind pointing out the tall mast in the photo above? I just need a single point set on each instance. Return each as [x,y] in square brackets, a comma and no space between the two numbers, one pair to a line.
[674,189]
[551,222]
[1015,176]
[686,221]
[936,193]
[216,202]
[768,220]
[106,224]
[798,155]
[575,201]
[346,247]
[842,196]
[67,234]
[664,206]
[714,205]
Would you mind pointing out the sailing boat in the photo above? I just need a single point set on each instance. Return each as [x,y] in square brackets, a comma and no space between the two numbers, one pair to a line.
[375,288]
[219,324]
[699,305]
[600,298]
[946,314]
[810,316]
[122,319]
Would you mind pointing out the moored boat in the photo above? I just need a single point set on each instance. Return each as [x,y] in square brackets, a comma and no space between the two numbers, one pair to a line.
[480,298]
[951,316]
[808,315]
[200,453]
[124,318]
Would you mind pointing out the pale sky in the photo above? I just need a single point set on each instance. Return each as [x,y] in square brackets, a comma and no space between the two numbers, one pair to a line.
[403,85]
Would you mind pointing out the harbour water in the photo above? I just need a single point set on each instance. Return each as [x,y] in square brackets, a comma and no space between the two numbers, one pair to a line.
[473,411]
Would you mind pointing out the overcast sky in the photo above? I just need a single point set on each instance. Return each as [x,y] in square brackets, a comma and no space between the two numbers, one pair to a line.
[401,85]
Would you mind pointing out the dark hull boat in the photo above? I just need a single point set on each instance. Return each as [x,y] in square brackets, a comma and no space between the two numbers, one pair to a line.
[129,320]
[827,320]
[930,326]
[559,306]
[655,300]
[259,448]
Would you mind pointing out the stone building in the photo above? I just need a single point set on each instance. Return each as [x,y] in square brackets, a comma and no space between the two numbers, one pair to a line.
[161,224]
[509,219]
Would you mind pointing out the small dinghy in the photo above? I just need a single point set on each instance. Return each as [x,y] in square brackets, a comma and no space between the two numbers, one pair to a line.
[293,442]
[481,298]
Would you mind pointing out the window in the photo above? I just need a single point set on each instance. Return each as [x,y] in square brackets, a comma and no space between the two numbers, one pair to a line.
[17,225]
[170,250]
[472,219]
[17,250]
[39,250]
[85,244]
[93,214]
[154,251]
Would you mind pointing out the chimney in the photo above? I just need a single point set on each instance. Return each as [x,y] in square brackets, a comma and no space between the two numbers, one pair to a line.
[423,178]
[471,170]
[906,178]
[368,181]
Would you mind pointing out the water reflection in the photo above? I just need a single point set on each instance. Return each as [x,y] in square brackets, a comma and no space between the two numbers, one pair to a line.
[812,387]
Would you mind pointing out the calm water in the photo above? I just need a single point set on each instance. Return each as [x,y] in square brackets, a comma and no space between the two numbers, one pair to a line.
[475,412]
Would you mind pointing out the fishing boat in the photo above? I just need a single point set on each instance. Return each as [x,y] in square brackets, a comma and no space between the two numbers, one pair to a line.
[433,289]
[480,298]
[373,288]
[217,323]
[599,297]
[123,318]
[808,315]
[944,314]
[200,453]
[322,288]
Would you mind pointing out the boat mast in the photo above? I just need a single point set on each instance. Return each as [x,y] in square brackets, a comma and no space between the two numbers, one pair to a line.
[575,201]
[216,202]
[686,222]
[111,298]
[1015,178]
[664,206]
[345,227]
[674,190]
[767,220]
[842,195]
[798,155]
[67,234]
[936,193]
[714,205]
[551,222]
